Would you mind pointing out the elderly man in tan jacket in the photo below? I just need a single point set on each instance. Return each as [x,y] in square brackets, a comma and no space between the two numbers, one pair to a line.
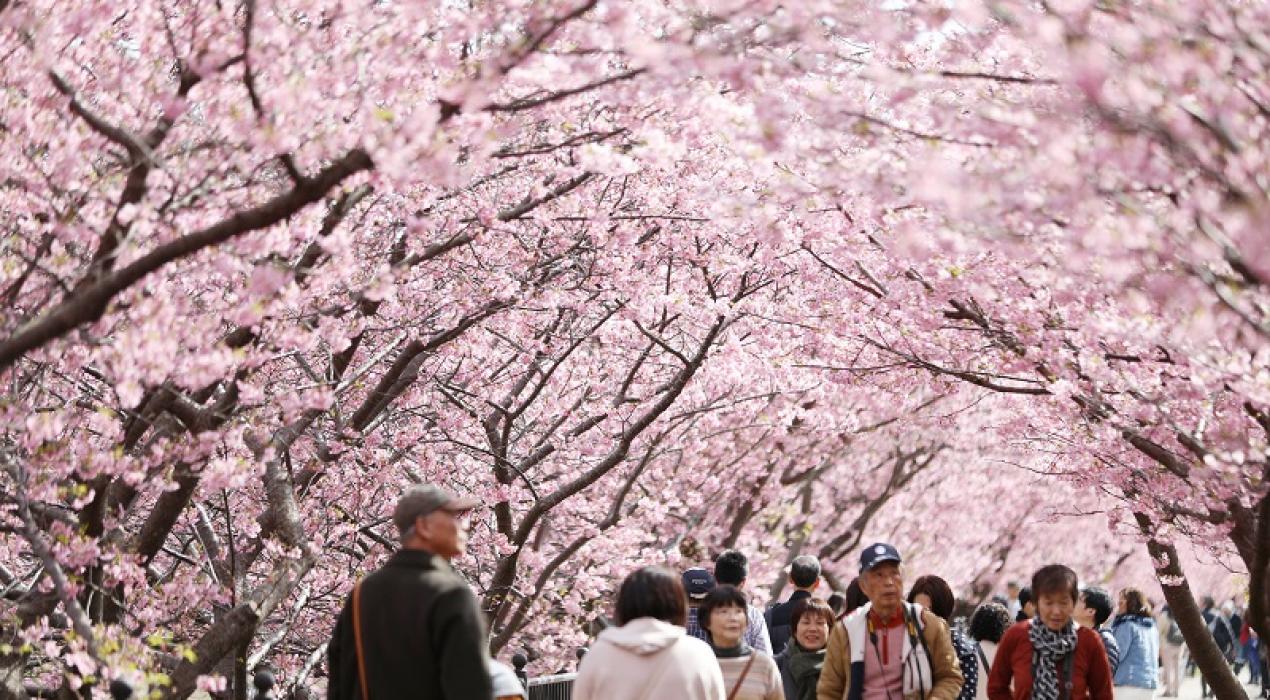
[889,649]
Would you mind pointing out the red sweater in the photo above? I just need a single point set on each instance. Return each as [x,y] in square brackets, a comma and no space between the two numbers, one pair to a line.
[1091,672]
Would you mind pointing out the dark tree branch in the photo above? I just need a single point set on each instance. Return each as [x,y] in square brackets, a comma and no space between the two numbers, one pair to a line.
[88,303]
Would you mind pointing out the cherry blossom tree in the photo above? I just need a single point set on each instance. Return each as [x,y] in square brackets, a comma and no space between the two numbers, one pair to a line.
[635,275]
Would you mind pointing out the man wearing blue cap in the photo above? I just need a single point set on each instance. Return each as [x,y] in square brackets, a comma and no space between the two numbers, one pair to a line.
[697,584]
[889,649]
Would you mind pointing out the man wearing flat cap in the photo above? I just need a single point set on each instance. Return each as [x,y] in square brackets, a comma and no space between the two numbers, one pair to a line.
[889,649]
[412,628]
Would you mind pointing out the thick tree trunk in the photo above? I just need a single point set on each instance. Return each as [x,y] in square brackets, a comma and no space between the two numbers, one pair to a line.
[1200,642]
[1258,613]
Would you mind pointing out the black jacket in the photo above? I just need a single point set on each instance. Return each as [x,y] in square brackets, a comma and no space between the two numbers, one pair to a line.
[780,620]
[422,634]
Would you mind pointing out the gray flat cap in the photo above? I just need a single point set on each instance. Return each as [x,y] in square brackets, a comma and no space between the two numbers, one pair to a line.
[423,499]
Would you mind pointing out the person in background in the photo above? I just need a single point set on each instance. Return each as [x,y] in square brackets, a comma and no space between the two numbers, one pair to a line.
[934,594]
[1093,611]
[412,628]
[1027,608]
[748,674]
[1139,639]
[1225,636]
[803,658]
[1051,657]
[1249,642]
[649,654]
[856,598]
[888,648]
[697,582]
[506,685]
[1209,612]
[837,603]
[1171,644]
[988,623]
[1012,592]
[804,575]
[732,569]
[1236,621]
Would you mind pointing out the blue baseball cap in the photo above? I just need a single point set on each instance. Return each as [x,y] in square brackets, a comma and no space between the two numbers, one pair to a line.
[698,582]
[877,553]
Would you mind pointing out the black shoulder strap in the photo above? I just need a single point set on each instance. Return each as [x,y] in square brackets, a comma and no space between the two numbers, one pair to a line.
[983,658]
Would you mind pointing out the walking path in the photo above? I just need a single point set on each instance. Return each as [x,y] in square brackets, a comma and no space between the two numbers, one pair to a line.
[1190,689]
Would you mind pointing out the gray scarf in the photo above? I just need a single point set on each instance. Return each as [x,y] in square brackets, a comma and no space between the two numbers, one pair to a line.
[1049,649]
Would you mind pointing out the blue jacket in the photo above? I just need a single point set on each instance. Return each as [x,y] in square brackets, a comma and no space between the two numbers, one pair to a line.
[1139,643]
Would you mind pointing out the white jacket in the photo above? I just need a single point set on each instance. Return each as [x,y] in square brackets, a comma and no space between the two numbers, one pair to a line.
[648,658]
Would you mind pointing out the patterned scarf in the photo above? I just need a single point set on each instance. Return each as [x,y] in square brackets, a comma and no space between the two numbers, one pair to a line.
[1049,648]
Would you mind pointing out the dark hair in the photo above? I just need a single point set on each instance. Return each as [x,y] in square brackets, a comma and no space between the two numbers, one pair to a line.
[1098,600]
[1055,578]
[837,601]
[721,596]
[731,568]
[1208,602]
[941,596]
[652,592]
[1135,602]
[856,598]
[810,606]
[804,571]
[989,622]
[1025,597]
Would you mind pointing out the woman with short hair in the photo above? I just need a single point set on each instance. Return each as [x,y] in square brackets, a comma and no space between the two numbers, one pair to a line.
[934,594]
[987,625]
[650,654]
[1138,674]
[803,658]
[1049,656]
[748,674]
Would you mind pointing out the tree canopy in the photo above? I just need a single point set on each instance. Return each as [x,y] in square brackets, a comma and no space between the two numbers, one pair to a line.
[650,279]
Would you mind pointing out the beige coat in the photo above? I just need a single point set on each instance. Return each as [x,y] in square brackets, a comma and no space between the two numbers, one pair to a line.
[835,679]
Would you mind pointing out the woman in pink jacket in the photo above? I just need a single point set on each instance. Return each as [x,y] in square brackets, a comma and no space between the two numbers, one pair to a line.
[650,655]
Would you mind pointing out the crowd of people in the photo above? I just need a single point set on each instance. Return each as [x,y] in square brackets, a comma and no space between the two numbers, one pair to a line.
[412,628]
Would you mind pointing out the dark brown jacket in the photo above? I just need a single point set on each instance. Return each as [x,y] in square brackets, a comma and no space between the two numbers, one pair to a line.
[422,635]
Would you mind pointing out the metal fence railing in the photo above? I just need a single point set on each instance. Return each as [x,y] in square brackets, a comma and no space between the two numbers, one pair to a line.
[558,687]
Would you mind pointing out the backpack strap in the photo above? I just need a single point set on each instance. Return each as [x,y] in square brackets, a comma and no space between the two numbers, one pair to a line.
[357,639]
[983,658]
[920,630]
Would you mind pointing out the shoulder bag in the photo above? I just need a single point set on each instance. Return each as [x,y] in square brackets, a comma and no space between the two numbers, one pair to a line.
[744,672]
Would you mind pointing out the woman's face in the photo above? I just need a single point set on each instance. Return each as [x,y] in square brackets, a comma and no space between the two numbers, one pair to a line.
[726,626]
[1055,609]
[812,632]
[1123,605]
[923,600]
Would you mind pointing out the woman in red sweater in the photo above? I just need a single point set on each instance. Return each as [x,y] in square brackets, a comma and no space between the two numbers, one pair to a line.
[1049,657]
